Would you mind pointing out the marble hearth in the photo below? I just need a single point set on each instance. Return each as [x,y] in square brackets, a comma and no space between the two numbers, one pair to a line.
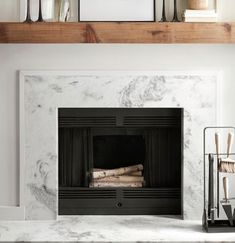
[42,93]
[109,229]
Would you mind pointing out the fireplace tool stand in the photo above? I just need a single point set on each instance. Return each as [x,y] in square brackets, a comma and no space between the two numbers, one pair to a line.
[214,220]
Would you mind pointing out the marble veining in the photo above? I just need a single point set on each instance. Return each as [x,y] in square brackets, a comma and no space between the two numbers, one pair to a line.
[45,92]
[109,229]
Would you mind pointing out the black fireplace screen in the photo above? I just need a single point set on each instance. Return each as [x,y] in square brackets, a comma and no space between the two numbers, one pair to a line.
[74,156]
[95,141]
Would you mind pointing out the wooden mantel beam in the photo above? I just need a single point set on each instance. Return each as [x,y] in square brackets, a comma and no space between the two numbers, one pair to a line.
[118,32]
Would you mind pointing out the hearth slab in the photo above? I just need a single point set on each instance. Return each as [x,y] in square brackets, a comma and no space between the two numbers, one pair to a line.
[109,229]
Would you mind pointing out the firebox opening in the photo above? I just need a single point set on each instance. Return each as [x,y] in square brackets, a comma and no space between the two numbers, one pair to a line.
[115,151]
[126,157]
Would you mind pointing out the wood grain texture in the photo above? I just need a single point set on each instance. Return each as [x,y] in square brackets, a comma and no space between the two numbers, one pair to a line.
[117,32]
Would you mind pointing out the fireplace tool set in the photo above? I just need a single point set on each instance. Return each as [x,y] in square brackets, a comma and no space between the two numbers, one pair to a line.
[218,167]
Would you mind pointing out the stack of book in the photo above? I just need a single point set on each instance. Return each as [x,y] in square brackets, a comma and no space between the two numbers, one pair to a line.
[200,15]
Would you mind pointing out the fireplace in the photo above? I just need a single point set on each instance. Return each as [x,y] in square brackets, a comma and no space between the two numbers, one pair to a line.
[42,93]
[140,147]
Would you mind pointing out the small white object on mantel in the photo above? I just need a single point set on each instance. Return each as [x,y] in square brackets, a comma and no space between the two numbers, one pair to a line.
[201,11]
[47,9]
[200,16]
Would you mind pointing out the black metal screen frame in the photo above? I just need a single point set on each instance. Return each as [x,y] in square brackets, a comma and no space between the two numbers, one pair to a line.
[121,201]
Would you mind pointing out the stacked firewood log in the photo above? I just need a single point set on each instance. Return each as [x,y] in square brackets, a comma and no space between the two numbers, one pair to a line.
[131,176]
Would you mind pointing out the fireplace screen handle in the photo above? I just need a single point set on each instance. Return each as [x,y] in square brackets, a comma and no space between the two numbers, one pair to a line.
[119,205]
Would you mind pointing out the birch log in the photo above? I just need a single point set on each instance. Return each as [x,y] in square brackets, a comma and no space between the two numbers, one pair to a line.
[136,173]
[117,172]
[113,184]
[121,179]
[98,169]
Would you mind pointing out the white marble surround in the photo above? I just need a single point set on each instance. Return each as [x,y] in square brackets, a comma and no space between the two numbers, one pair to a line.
[43,92]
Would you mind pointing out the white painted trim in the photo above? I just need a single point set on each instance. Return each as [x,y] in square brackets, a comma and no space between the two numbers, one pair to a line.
[22,137]
[12,213]
[18,212]
[118,73]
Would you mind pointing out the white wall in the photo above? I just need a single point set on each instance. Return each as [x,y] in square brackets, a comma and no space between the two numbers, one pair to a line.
[94,57]
[9,10]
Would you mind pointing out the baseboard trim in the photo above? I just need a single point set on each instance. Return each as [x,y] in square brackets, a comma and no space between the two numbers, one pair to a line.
[12,213]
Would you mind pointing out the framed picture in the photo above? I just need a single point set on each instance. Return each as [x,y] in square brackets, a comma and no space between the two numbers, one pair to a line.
[116,10]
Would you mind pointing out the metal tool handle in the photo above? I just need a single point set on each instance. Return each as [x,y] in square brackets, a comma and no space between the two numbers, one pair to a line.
[226,188]
[211,203]
[217,144]
[230,143]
